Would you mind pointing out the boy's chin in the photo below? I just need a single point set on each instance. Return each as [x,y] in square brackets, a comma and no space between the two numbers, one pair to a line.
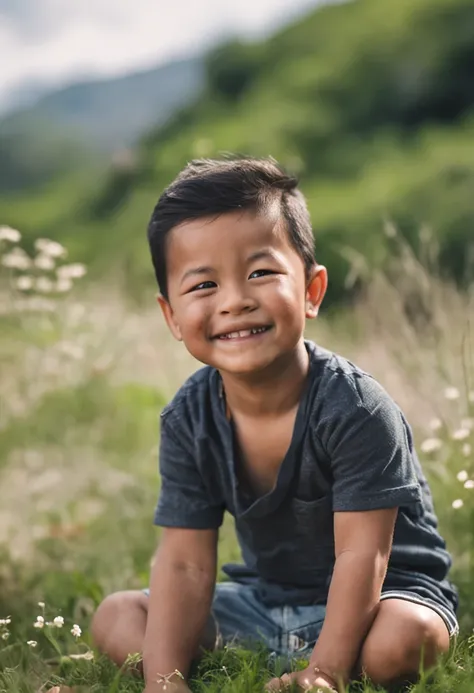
[243,365]
[243,361]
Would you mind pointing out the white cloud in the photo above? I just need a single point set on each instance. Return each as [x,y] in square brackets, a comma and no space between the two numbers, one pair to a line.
[56,40]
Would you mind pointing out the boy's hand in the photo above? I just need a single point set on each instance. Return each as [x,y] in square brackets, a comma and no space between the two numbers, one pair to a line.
[305,679]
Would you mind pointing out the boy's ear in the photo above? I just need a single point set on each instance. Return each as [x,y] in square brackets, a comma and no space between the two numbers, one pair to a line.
[169,317]
[316,290]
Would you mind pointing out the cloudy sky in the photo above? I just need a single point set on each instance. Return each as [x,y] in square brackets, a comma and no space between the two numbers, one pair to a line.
[54,41]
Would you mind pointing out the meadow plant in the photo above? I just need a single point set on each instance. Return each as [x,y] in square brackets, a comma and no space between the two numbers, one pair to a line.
[44,273]
[83,377]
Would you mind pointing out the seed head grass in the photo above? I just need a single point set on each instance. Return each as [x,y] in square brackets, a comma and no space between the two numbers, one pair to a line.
[84,374]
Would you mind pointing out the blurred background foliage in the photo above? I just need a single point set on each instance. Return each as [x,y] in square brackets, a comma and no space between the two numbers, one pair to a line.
[370,103]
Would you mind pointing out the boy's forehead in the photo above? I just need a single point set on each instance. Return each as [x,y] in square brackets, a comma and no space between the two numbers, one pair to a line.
[241,231]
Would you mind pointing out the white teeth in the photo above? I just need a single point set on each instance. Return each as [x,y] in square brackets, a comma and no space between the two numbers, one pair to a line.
[236,335]
[243,333]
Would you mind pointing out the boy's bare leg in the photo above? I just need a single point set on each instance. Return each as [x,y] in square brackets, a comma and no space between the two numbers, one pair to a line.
[404,637]
[119,624]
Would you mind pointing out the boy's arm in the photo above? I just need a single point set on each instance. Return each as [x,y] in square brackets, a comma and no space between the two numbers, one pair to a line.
[181,588]
[363,543]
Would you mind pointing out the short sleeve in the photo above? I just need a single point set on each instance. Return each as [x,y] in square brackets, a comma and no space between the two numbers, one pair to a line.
[370,449]
[184,500]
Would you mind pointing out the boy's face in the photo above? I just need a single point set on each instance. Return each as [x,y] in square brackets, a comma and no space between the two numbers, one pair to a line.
[238,294]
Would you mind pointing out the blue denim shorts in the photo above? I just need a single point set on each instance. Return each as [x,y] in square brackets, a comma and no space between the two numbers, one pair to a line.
[241,618]
[287,631]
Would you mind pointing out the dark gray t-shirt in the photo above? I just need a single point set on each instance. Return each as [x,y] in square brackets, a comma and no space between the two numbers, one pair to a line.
[351,450]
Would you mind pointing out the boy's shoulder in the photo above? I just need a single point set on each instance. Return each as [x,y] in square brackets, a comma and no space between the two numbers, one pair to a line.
[340,386]
[337,388]
[329,363]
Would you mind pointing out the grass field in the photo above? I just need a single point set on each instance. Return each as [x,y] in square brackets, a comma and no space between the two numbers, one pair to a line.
[83,376]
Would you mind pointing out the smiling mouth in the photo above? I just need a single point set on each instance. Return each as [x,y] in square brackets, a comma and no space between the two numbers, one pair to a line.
[242,334]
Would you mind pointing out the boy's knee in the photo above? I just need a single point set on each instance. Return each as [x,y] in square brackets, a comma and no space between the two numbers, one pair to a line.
[397,651]
[112,615]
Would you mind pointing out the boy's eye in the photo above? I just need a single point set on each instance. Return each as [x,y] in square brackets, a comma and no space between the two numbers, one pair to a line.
[261,273]
[203,285]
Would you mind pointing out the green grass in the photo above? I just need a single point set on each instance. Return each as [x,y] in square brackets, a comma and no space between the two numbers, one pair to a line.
[82,382]
[230,671]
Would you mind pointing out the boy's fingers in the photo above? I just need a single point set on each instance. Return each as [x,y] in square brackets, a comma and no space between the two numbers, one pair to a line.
[284,683]
[279,684]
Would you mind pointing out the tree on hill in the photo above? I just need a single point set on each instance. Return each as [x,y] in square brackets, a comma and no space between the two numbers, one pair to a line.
[371,103]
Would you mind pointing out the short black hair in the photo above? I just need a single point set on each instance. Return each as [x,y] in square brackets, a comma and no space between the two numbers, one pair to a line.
[207,187]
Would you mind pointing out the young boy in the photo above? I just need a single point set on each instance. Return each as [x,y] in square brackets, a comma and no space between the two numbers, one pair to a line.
[342,560]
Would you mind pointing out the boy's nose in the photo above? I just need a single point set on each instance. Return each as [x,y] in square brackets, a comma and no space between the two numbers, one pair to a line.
[235,301]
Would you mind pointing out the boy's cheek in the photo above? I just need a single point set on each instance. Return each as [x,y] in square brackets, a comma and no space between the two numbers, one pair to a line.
[195,322]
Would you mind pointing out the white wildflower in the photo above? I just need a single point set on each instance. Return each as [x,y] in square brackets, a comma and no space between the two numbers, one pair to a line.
[51,248]
[39,623]
[137,658]
[466,449]
[16,259]
[44,285]
[451,393]
[458,503]
[31,643]
[41,244]
[74,271]
[9,234]
[431,445]
[74,351]
[63,285]
[76,631]
[461,434]
[436,424]
[462,476]
[5,635]
[88,656]
[44,262]
[5,621]
[469,484]
[38,304]
[24,283]
[41,605]
[58,622]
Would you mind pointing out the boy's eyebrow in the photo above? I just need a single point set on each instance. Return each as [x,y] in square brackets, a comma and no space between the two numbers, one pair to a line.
[263,254]
[195,271]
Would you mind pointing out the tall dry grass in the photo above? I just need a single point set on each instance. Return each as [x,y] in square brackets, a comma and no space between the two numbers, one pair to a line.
[84,374]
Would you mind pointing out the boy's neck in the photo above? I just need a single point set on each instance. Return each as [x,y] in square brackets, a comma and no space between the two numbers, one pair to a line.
[273,392]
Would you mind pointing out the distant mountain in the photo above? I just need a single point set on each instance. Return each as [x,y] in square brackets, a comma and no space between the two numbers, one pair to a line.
[85,123]
[371,104]
[112,113]
[22,96]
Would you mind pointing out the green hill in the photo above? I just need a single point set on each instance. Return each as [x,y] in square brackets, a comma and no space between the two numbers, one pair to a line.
[84,122]
[371,103]
[112,113]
